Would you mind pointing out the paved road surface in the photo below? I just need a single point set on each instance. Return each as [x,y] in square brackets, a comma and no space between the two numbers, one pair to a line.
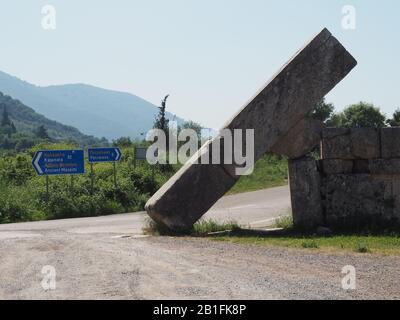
[109,258]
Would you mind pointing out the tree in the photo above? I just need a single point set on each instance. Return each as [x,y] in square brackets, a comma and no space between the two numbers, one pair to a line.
[7,126]
[194,126]
[359,115]
[5,120]
[41,132]
[395,121]
[322,111]
[123,142]
[161,121]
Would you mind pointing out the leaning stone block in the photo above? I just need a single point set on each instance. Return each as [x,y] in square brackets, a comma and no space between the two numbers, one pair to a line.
[347,144]
[305,193]
[272,113]
[190,193]
[390,141]
[300,140]
[294,91]
[336,166]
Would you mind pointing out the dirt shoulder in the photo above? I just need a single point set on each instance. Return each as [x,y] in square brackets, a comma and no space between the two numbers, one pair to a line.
[109,266]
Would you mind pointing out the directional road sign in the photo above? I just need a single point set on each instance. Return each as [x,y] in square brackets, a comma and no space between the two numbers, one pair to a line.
[104,155]
[59,162]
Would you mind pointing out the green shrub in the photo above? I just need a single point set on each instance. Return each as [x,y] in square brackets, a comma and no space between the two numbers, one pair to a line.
[285,222]
[310,245]
[362,247]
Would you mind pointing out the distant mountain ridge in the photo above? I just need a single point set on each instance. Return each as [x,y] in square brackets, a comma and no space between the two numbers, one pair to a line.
[27,121]
[92,110]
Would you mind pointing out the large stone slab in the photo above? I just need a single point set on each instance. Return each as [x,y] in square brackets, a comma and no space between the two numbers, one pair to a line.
[300,140]
[348,144]
[277,108]
[190,192]
[305,181]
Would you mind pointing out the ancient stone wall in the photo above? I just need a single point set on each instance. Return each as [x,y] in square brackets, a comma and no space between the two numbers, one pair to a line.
[355,185]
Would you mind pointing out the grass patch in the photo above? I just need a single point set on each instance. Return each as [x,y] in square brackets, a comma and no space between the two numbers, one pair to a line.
[270,171]
[362,247]
[310,244]
[285,222]
[204,227]
[372,244]
[376,244]
[200,229]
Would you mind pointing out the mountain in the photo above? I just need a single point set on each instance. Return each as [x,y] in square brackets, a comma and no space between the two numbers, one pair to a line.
[92,110]
[27,121]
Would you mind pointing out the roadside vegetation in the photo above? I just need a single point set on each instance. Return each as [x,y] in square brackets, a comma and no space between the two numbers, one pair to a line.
[231,231]
[23,194]
[270,171]
[202,228]
[372,244]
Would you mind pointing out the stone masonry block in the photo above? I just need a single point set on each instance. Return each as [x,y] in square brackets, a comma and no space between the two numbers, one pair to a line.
[336,166]
[357,201]
[348,144]
[305,193]
[384,166]
[390,142]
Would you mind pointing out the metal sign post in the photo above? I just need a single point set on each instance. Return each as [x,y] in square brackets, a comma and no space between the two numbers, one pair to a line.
[96,155]
[47,189]
[91,179]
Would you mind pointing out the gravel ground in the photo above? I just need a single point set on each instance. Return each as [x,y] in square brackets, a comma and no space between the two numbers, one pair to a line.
[110,266]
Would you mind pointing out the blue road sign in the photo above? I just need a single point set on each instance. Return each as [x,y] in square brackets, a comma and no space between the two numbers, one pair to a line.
[57,162]
[104,155]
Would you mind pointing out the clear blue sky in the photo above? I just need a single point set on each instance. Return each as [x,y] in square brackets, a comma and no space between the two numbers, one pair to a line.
[210,55]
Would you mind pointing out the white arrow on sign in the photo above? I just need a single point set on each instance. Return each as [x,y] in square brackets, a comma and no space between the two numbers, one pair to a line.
[36,163]
[118,154]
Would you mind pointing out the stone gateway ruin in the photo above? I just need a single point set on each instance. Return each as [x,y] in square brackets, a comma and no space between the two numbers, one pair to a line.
[277,113]
[354,186]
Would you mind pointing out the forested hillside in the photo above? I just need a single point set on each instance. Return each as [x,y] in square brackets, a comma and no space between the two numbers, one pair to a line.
[21,127]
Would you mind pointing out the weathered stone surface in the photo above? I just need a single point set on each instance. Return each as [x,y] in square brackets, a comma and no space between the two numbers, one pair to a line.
[272,113]
[336,166]
[305,193]
[358,201]
[390,142]
[294,91]
[189,194]
[335,143]
[300,140]
[384,166]
[361,166]
[347,144]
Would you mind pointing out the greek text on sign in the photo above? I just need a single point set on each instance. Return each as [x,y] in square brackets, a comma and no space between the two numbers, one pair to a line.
[104,155]
[59,162]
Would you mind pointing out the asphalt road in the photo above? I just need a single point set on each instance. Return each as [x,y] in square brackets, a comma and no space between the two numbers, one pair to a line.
[109,258]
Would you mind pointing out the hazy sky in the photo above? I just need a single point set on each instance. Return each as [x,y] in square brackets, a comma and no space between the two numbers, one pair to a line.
[210,55]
